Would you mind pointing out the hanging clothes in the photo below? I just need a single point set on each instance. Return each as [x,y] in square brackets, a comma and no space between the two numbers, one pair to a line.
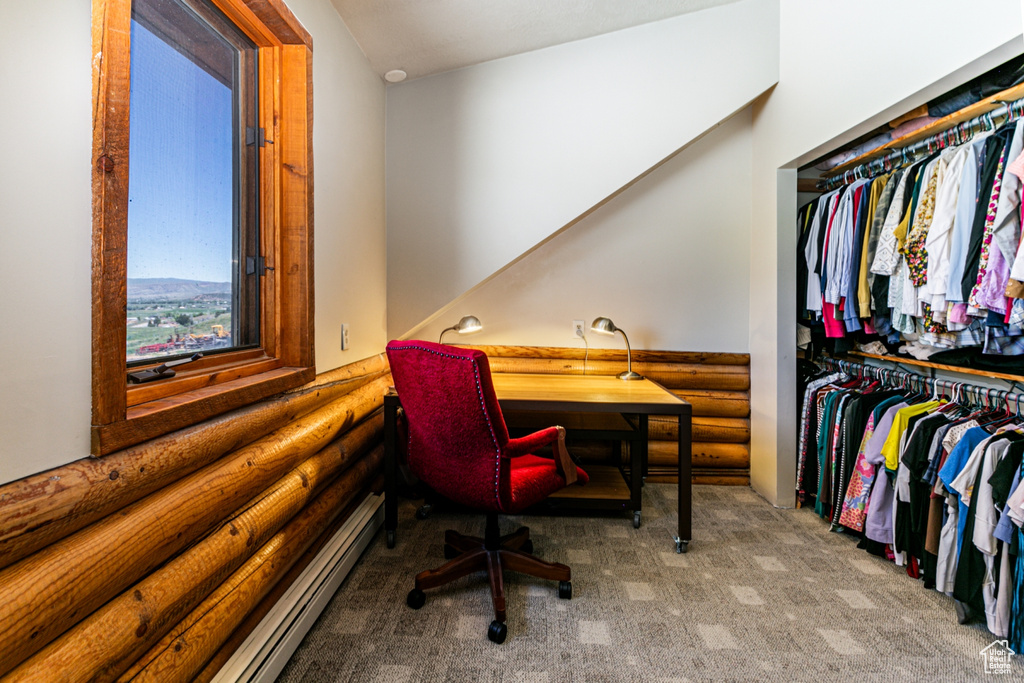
[927,257]
[935,485]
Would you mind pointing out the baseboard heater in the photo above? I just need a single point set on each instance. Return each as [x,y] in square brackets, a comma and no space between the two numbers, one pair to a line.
[268,648]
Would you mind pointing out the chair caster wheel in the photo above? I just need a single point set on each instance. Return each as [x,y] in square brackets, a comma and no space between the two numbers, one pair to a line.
[391,538]
[450,553]
[565,590]
[497,632]
[527,547]
[636,519]
[416,598]
[423,511]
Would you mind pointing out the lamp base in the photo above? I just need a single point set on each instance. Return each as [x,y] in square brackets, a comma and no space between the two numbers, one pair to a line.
[629,375]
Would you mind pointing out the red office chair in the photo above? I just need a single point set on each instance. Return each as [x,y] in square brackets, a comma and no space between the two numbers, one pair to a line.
[459,446]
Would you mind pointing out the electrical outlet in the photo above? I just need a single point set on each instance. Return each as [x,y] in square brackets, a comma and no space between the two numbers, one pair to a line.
[577,328]
[344,336]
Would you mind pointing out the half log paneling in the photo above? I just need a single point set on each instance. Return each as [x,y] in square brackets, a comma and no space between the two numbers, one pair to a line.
[252,619]
[103,558]
[717,403]
[183,651]
[715,429]
[717,385]
[43,508]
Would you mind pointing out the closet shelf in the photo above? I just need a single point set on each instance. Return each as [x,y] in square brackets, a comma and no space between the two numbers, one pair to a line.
[939,366]
[984,106]
[808,185]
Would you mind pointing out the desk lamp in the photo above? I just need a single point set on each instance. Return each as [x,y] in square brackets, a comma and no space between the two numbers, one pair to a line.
[606,326]
[468,325]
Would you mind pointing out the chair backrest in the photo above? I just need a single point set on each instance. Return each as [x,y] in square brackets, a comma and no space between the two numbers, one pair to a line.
[457,434]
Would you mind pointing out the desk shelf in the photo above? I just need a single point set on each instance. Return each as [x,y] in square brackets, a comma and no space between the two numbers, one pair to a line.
[606,484]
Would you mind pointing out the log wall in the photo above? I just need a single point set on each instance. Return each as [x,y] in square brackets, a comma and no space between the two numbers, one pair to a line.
[717,385]
[155,562]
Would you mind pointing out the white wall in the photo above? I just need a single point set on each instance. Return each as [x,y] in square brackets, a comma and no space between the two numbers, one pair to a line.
[45,229]
[485,162]
[889,57]
[667,260]
[348,147]
[45,235]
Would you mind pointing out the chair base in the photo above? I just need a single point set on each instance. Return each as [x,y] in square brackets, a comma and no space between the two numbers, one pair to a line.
[493,554]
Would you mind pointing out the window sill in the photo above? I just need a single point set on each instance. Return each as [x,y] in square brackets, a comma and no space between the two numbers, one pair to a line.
[160,416]
[207,371]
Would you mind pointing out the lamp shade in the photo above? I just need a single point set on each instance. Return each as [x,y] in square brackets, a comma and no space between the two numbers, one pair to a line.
[603,326]
[467,325]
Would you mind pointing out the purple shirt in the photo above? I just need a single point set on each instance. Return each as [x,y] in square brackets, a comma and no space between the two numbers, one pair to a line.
[878,525]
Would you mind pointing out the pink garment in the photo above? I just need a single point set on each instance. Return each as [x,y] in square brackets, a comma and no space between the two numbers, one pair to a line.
[958,314]
[856,500]
[833,328]
[908,127]
[990,292]
[1016,167]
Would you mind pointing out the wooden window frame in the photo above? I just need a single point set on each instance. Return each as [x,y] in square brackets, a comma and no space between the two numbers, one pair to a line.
[123,414]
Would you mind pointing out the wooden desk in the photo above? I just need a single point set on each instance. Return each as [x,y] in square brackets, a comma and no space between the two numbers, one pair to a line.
[566,393]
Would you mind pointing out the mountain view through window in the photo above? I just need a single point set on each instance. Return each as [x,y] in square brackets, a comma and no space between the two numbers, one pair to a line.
[190,176]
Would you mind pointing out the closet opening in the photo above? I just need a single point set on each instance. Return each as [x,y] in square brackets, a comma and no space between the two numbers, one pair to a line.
[910,301]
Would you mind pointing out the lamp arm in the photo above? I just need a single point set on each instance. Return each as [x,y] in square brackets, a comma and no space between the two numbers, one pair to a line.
[629,354]
[444,332]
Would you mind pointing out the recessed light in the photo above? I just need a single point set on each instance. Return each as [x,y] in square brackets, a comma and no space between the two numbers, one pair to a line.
[395,76]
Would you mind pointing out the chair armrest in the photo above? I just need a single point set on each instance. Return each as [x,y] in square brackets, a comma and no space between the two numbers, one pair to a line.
[563,462]
[531,442]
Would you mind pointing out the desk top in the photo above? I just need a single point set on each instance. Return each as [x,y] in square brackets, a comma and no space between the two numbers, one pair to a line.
[595,393]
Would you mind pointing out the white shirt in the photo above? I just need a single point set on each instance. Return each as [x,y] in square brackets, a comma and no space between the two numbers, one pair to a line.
[818,223]
[937,244]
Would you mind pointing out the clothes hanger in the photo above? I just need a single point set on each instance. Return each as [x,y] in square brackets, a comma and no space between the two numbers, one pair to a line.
[990,416]
[1002,416]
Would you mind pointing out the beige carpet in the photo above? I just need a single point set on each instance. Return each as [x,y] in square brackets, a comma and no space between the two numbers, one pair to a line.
[762,595]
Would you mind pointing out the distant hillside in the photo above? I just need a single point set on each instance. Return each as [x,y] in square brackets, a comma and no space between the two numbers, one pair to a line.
[173,289]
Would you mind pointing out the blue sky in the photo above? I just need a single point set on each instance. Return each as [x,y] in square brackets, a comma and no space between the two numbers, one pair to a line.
[180,170]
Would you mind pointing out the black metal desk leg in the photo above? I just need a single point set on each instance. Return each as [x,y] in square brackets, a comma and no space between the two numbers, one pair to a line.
[637,458]
[685,495]
[390,468]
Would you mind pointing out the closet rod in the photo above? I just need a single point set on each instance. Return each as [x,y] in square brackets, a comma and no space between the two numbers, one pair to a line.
[893,377]
[958,134]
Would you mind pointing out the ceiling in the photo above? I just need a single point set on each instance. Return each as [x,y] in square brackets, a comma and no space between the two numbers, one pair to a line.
[424,37]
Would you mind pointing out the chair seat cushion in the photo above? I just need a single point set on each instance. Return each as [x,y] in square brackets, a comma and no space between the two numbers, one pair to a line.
[533,478]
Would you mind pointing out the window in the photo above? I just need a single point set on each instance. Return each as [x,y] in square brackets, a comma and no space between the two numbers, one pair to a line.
[202,211]
[192,184]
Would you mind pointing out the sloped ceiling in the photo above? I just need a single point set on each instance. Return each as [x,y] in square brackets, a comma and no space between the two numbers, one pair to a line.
[485,163]
[424,37]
